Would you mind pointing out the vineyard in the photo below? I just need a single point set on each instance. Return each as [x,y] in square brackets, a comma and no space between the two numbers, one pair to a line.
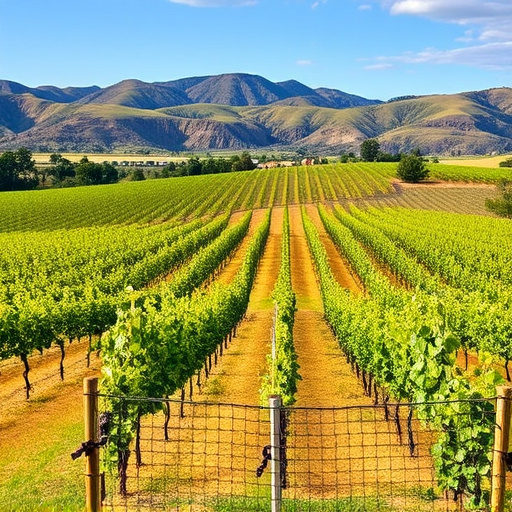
[332,286]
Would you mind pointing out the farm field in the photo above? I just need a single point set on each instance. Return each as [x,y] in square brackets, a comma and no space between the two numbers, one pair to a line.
[481,161]
[199,248]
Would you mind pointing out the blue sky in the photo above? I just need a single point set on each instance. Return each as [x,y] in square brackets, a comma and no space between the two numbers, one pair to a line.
[373,48]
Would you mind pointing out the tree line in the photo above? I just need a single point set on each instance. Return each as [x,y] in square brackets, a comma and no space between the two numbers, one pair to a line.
[194,166]
[18,171]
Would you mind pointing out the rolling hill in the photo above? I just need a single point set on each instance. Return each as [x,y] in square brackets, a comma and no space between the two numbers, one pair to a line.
[236,111]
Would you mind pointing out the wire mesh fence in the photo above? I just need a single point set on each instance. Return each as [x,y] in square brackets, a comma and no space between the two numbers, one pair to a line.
[199,456]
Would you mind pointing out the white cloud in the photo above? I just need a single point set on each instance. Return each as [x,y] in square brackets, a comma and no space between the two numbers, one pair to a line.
[379,67]
[488,37]
[496,56]
[317,4]
[215,3]
[494,17]
[365,7]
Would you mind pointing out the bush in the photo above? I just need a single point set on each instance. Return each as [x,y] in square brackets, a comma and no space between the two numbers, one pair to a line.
[502,206]
[412,169]
[506,163]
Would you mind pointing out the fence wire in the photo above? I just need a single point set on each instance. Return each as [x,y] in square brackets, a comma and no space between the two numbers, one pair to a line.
[367,458]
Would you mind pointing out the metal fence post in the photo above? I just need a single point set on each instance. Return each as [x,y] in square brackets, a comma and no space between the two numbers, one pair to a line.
[275,444]
[501,438]
[92,461]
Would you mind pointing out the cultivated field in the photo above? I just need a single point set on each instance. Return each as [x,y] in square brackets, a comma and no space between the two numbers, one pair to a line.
[359,264]
[480,161]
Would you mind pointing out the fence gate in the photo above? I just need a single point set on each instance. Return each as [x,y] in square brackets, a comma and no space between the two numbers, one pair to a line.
[215,457]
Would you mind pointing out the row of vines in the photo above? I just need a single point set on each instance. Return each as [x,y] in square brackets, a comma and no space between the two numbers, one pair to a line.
[156,347]
[400,341]
[65,266]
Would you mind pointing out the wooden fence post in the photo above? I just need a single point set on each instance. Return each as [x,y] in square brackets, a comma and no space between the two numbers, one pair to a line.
[275,451]
[92,461]
[501,438]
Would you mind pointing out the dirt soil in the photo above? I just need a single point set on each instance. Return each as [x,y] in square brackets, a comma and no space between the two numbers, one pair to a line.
[237,378]
[44,377]
[397,184]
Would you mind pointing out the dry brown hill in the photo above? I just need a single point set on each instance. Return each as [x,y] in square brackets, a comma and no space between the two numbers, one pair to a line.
[246,111]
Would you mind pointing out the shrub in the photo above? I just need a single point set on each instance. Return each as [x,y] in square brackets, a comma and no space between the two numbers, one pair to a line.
[412,169]
[502,206]
[506,163]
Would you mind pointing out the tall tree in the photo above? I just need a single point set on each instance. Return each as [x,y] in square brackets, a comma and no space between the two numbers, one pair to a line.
[370,150]
[17,170]
[62,167]
[243,162]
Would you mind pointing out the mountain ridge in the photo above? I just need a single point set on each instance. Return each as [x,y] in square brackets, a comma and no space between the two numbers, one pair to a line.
[242,111]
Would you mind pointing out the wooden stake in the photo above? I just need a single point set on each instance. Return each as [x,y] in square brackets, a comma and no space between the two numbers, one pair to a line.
[92,462]
[501,438]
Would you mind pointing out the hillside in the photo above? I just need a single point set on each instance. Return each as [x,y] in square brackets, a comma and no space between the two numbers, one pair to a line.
[236,111]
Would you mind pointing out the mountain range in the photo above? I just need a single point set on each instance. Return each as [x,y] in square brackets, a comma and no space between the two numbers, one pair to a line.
[242,111]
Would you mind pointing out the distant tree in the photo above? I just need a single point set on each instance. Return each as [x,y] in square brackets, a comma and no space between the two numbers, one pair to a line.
[210,166]
[506,163]
[369,150]
[223,165]
[137,174]
[90,173]
[243,162]
[55,158]
[194,166]
[502,206]
[109,173]
[388,157]
[412,169]
[62,168]
[300,154]
[168,170]
[8,171]
[17,170]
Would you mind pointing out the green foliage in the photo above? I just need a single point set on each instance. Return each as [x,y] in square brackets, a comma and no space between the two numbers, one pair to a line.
[89,173]
[283,370]
[506,163]
[61,168]
[17,170]
[155,348]
[404,341]
[207,260]
[502,206]
[453,405]
[137,174]
[369,150]
[464,173]
[412,169]
[242,162]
